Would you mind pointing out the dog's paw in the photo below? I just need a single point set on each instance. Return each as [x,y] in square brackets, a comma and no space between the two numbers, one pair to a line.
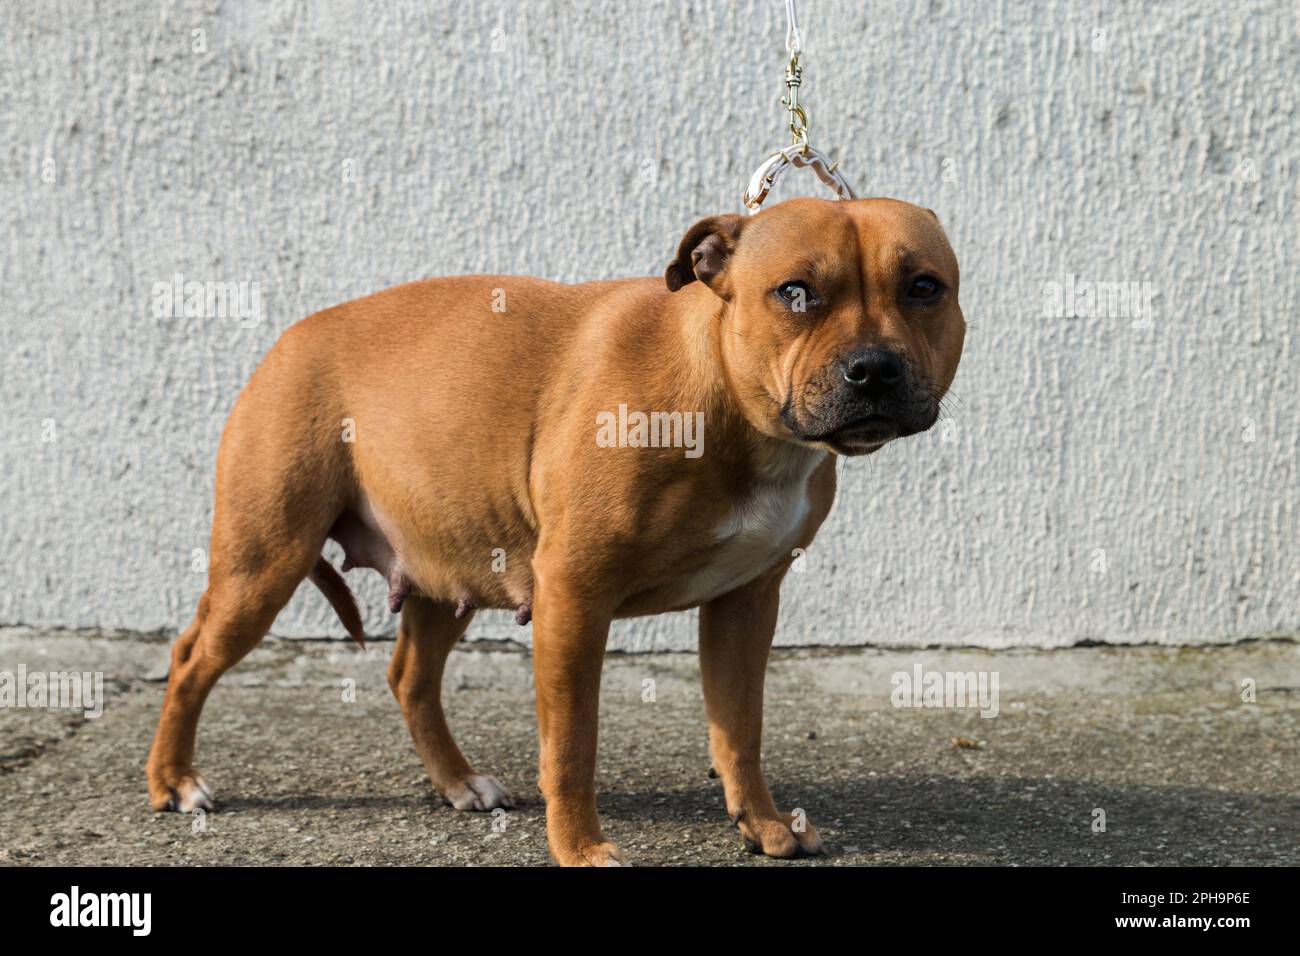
[603,854]
[593,853]
[182,792]
[785,835]
[478,792]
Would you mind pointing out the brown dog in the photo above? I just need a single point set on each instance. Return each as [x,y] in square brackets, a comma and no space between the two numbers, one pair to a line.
[578,453]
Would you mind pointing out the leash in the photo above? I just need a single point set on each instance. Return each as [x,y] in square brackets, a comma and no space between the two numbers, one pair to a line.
[799,153]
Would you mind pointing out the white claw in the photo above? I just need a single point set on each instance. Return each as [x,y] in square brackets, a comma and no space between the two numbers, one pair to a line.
[194,794]
[480,792]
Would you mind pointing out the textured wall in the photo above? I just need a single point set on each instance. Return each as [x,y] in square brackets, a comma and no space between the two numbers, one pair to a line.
[1114,474]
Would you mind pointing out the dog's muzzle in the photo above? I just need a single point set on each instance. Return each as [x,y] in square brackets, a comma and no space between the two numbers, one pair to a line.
[867,398]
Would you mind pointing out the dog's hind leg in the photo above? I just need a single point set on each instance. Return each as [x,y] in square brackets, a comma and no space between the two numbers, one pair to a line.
[282,479]
[428,632]
[233,615]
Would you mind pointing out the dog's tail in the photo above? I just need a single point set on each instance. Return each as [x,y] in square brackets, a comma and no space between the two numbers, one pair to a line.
[336,591]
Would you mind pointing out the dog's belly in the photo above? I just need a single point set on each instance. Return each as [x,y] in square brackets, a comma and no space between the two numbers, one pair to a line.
[414,561]
[468,555]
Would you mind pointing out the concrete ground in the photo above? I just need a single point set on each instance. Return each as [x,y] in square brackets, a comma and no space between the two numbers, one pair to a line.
[1157,738]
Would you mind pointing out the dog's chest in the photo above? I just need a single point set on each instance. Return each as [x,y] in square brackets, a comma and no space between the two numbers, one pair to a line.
[761,530]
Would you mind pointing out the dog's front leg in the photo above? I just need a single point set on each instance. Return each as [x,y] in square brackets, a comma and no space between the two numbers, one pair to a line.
[735,637]
[569,638]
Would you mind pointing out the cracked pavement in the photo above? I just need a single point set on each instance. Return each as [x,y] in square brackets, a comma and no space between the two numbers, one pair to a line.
[1158,738]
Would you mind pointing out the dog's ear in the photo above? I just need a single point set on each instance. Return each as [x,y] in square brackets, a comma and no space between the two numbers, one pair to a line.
[703,254]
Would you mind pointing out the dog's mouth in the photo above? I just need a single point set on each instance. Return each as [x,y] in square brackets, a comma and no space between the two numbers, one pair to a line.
[861,436]
[867,433]
[857,436]
[850,423]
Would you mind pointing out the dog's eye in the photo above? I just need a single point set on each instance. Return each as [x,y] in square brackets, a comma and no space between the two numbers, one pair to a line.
[797,296]
[925,289]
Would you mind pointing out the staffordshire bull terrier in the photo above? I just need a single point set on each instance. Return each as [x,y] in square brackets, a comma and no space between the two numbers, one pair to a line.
[576,453]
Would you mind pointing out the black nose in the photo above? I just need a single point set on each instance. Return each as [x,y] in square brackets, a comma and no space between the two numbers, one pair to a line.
[873,371]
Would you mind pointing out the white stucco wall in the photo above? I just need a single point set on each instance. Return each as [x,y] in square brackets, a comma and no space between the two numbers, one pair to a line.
[1097,480]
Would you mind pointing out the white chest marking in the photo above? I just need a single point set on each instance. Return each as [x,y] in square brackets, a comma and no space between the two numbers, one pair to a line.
[761,530]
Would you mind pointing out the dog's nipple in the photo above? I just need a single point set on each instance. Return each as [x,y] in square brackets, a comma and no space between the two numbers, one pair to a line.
[399,588]
[524,614]
[465,606]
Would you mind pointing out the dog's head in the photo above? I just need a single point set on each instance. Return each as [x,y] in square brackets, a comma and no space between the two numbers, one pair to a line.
[841,326]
